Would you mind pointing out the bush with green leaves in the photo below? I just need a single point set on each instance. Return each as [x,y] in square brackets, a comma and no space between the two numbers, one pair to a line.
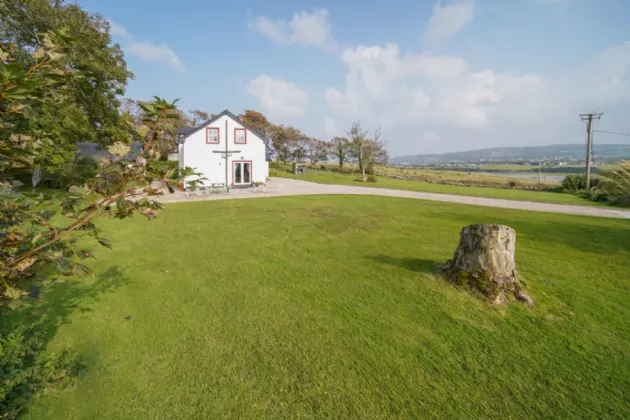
[74,172]
[615,185]
[24,374]
[577,182]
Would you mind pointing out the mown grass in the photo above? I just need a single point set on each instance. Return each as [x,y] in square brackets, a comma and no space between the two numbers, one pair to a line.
[412,185]
[320,307]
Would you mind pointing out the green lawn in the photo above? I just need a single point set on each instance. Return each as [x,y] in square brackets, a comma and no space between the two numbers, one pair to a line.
[324,306]
[401,184]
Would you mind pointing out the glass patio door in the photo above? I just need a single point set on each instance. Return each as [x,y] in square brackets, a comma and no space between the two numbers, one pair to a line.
[242,173]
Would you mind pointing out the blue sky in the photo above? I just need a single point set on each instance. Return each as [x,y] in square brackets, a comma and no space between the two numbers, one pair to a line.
[434,76]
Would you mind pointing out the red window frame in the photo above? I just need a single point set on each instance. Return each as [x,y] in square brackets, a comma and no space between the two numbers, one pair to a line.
[251,171]
[244,130]
[218,135]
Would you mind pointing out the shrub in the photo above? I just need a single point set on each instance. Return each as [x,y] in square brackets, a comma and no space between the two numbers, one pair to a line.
[512,183]
[75,172]
[322,167]
[615,185]
[170,166]
[371,178]
[25,374]
[577,182]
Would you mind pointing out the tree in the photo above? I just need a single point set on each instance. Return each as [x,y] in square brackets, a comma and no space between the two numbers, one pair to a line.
[131,111]
[255,120]
[284,140]
[197,117]
[24,246]
[299,148]
[367,151]
[36,239]
[259,122]
[317,150]
[339,149]
[90,108]
[135,113]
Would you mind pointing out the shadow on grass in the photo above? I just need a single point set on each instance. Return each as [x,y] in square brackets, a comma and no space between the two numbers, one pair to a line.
[30,328]
[60,300]
[412,264]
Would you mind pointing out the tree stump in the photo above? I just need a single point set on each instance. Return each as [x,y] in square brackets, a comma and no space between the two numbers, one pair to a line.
[484,263]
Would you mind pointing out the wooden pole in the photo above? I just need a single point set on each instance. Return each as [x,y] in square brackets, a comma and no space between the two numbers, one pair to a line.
[589,143]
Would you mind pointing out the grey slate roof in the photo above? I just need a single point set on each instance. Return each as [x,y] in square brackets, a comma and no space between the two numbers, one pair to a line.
[185,130]
[216,117]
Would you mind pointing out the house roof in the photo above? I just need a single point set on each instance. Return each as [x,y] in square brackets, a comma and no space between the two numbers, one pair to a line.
[216,117]
[185,130]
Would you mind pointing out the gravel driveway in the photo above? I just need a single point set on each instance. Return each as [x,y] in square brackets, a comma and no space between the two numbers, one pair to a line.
[279,187]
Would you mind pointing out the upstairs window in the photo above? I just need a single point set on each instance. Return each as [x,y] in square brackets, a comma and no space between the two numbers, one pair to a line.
[240,136]
[212,135]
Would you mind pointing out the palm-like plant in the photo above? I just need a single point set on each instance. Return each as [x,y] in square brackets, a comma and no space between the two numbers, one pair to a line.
[615,184]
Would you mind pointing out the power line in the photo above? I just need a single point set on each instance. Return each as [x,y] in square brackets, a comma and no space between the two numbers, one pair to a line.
[612,132]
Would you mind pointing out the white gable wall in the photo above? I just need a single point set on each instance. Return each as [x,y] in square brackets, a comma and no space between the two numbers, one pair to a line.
[196,153]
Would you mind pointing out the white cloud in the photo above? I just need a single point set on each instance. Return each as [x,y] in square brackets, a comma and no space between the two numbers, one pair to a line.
[272,29]
[380,80]
[433,103]
[447,20]
[278,98]
[434,66]
[117,30]
[157,53]
[306,28]
[330,127]
[147,51]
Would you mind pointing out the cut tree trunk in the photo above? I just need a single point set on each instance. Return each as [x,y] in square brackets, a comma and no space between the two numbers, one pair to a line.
[484,264]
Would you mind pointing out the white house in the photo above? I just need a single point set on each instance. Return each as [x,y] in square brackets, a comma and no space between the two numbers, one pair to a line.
[225,151]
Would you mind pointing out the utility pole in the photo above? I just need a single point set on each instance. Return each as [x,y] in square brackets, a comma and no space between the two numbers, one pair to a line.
[589,143]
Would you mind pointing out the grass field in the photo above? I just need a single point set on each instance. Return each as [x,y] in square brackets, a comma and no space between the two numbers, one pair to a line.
[473,178]
[411,185]
[511,167]
[465,177]
[320,307]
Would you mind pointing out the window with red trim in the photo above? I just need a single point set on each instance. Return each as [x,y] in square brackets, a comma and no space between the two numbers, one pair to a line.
[240,136]
[212,135]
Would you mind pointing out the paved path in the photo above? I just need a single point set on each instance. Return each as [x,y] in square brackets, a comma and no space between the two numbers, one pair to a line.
[279,187]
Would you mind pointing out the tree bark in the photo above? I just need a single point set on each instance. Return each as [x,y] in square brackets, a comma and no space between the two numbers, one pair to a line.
[484,264]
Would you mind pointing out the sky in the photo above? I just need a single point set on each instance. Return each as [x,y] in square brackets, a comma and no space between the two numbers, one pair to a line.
[434,76]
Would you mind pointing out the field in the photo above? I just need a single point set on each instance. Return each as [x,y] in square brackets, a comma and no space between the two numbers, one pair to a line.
[319,307]
[412,185]
[465,177]
[472,178]
[578,168]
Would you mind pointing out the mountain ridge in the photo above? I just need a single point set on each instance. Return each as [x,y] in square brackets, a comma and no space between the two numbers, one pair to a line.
[553,151]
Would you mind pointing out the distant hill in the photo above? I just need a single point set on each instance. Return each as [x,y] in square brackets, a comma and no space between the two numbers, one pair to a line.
[555,151]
